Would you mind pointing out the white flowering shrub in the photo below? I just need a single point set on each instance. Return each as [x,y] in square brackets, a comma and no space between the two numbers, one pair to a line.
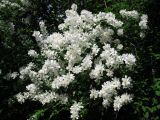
[6,3]
[85,61]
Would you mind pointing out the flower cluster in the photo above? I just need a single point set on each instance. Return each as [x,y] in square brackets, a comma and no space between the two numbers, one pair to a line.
[85,54]
[143,22]
[119,101]
[75,109]
[32,53]
[10,75]
[133,14]
[5,3]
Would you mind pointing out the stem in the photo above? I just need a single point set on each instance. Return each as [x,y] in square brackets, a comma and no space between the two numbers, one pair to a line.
[102,113]
[105,3]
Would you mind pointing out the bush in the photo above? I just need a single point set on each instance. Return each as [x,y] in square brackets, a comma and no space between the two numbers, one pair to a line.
[84,61]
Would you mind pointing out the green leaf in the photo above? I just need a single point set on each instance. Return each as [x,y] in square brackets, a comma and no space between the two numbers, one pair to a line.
[157,93]
[146,115]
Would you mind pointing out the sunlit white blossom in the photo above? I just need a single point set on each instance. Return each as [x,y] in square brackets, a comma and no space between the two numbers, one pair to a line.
[31,88]
[120,32]
[62,81]
[119,101]
[144,22]
[87,62]
[132,14]
[126,82]
[129,59]
[142,34]
[77,69]
[94,94]
[32,53]
[119,46]
[75,109]
[21,97]
[97,71]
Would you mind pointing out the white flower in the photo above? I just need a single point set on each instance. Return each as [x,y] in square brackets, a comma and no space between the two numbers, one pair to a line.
[14,75]
[97,71]
[106,102]
[120,47]
[109,88]
[7,3]
[50,66]
[144,17]
[77,69]
[110,55]
[36,33]
[94,94]
[32,53]
[43,28]
[26,71]
[25,2]
[126,82]
[46,97]
[49,54]
[55,40]
[41,24]
[62,81]
[61,26]
[74,7]
[38,37]
[129,59]
[73,54]
[31,88]
[109,72]
[120,32]
[133,14]
[143,22]
[87,62]
[21,97]
[106,35]
[75,109]
[110,18]
[119,101]
[11,75]
[142,35]
[87,16]
[95,49]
